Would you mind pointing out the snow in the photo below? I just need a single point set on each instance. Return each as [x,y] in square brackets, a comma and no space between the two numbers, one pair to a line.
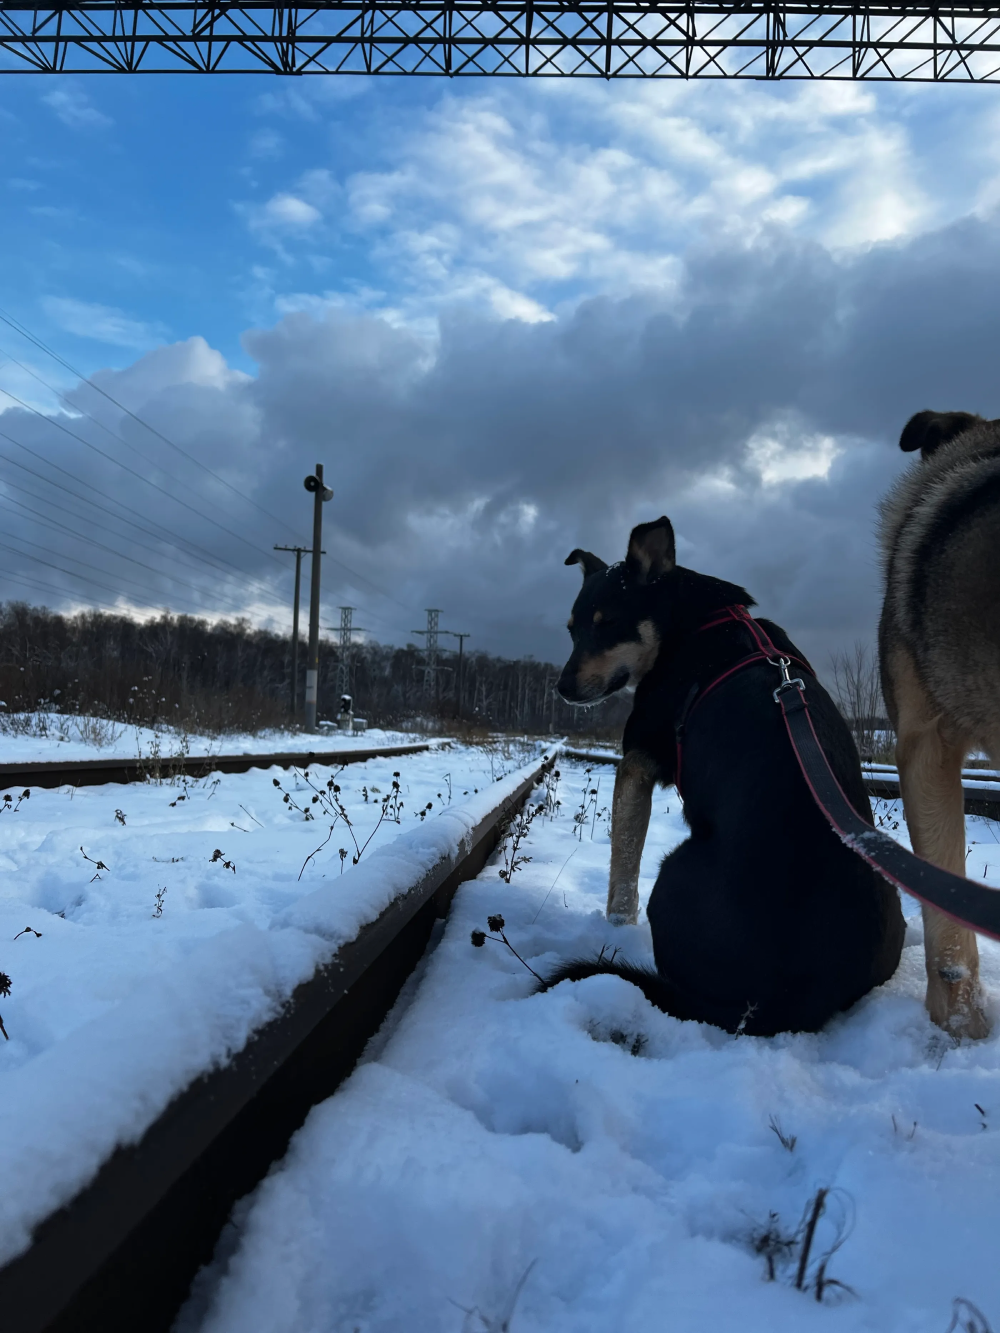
[578,1161]
[115,1009]
[61,738]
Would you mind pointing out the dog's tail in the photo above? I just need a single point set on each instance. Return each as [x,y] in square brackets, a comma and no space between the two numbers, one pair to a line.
[657,990]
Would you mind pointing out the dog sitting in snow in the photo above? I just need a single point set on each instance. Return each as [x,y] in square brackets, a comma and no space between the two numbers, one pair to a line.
[762,920]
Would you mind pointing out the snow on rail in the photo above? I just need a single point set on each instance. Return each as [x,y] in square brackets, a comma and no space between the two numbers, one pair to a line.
[81,1090]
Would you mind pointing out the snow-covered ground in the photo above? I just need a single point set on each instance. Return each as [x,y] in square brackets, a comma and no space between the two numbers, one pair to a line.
[578,1161]
[61,737]
[150,927]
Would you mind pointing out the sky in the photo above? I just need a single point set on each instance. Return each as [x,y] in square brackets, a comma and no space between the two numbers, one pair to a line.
[509,317]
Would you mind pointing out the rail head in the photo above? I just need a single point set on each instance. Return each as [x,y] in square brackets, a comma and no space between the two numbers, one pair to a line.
[112,769]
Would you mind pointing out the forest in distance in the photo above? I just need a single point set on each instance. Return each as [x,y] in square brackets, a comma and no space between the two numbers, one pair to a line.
[226,676]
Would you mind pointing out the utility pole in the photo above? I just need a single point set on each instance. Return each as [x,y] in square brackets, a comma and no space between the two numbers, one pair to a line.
[300,551]
[459,682]
[320,493]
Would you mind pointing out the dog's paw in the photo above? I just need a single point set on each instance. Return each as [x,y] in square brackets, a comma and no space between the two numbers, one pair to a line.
[623,918]
[957,1008]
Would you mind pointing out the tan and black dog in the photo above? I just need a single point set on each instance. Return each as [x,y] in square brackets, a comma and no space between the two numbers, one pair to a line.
[939,649]
[762,920]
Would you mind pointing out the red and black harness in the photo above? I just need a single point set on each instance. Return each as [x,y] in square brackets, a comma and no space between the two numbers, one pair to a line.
[970,903]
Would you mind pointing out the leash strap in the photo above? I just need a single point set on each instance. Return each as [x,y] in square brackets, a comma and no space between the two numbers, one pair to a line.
[969,903]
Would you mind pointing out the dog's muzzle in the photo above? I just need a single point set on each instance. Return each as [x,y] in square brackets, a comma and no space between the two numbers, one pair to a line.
[570,689]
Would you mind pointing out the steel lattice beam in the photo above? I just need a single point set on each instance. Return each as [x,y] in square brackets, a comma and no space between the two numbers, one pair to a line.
[618,38]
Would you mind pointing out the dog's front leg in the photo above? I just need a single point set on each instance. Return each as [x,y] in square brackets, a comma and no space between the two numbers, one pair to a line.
[629,821]
[929,759]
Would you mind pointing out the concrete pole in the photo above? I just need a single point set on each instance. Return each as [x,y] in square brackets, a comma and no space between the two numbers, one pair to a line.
[295,630]
[294,690]
[321,493]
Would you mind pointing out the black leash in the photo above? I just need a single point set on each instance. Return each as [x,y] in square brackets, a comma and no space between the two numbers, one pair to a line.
[969,903]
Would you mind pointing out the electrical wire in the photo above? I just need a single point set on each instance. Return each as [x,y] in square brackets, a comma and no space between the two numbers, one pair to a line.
[22,329]
[178,554]
[32,338]
[48,587]
[120,555]
[59,568]
[24,332]
[149,525]
[110,458]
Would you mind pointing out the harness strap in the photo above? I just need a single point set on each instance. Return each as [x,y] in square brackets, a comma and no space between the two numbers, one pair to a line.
[766,652]
[966,901]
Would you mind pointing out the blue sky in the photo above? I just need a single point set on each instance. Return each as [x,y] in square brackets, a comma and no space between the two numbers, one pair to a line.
[511,317]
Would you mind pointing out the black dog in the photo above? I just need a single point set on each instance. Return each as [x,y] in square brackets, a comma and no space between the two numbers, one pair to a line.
[762,920]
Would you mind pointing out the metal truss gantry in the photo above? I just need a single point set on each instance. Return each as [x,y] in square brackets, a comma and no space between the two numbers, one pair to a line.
[614,39]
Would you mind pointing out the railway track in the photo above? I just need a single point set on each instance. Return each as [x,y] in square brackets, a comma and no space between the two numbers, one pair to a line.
[981,787]
[120,1256]
[96,772]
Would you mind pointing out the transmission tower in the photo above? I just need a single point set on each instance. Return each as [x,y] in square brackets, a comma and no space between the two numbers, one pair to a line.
[347,629]
[431,667]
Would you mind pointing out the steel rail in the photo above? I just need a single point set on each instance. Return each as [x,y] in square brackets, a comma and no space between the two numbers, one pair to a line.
[120,1257]
[982,796]
[96,772]
[582,38]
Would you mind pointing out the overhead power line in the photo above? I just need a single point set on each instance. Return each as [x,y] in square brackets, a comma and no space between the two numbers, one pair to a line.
[25,332]
[116,462]
[148,525]
[14,324]
[195,562]
[62,529]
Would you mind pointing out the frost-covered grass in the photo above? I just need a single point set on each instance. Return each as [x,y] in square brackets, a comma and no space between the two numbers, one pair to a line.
[174,918]
[596,1165]
[38,737]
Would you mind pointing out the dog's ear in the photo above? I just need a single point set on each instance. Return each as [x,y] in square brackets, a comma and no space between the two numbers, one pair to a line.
[927,431]
[588,562]
[651,550]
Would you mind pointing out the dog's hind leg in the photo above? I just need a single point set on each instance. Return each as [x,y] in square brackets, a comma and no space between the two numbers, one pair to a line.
[630,808]
[929,755]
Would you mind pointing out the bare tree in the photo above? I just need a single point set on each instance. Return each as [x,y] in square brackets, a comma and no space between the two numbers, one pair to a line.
[858,690]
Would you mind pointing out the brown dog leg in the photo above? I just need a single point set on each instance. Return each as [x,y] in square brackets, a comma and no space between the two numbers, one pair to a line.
[930,777]
[629,821]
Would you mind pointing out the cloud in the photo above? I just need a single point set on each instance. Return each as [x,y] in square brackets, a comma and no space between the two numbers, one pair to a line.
[102,323]
[75,109]
[287,211]
[569,310]
[531,201]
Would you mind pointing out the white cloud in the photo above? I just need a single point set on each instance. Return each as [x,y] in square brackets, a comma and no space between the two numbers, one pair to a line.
[75,109]
[782,453]
[288,211]
[523,202]
[101,322]
[266,143]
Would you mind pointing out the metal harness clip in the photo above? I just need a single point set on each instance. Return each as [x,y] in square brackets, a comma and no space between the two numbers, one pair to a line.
[787,680]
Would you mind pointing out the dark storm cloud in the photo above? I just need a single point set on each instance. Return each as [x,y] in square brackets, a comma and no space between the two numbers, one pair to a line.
[465,473]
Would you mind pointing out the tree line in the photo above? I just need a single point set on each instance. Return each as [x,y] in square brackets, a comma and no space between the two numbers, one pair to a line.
[215,676]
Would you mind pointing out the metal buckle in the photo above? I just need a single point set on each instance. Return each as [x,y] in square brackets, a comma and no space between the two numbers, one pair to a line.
[787,680]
